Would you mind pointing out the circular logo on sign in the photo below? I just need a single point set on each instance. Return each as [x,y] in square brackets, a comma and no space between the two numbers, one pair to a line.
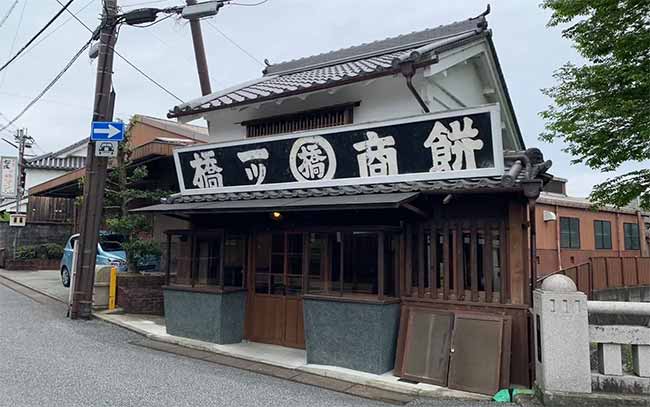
[312,159]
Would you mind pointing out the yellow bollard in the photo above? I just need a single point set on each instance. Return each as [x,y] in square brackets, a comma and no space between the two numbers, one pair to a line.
[112,289]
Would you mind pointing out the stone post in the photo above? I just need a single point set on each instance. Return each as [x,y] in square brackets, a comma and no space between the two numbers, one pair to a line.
[561,337]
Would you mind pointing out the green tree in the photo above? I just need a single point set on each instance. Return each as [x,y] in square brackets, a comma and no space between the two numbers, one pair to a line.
[601,109]
[125,186]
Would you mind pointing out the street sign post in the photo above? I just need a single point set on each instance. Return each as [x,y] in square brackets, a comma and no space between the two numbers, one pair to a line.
[107,131]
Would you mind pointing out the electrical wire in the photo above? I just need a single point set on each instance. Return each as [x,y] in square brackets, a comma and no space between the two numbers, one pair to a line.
[143,3]
[20,51]
[6,17]
[49,85]
[131,64]
[234,43]
[259,3]
[13,42]
[55,29]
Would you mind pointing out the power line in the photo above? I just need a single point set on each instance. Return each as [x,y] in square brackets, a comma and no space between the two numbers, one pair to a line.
[4,19]
[13,42]
[55,29]
[85,6]
[49,86]
[37,35]
[131,64]
[143,3]
[234,43]
[259,3]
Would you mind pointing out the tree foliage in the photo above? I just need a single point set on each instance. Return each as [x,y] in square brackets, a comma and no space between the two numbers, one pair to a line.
[601,109]
[125,186]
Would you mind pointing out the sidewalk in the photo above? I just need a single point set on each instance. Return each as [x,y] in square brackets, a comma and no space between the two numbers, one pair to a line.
[153,327]
[286,363]
[47,282]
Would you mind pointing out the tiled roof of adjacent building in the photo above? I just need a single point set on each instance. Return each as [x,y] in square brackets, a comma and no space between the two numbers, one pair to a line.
[54,161]
[336,68]
[551,198]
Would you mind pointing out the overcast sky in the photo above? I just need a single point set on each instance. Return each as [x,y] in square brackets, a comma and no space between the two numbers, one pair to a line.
[529,52]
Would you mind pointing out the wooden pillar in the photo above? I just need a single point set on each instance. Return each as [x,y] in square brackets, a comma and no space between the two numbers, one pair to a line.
[517,247]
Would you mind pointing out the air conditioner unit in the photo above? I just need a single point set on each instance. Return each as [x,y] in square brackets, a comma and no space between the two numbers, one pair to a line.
[549,216]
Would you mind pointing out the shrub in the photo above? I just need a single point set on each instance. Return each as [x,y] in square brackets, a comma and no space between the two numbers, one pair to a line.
[141,250]
[26,253]
[54,250]
[48,251]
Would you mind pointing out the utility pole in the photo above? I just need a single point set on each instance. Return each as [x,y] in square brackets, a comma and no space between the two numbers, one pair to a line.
[95,178]
[199,53]
[24,141]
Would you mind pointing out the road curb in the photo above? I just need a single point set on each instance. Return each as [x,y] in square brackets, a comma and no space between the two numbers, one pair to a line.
[364,390]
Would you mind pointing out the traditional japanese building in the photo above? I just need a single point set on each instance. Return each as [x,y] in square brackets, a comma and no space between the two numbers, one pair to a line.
[345,192]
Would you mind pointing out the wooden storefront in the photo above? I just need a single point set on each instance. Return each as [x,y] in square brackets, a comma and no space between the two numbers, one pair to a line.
[330,267]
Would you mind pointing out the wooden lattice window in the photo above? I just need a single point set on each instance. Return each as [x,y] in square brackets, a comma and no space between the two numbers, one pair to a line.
[330,116]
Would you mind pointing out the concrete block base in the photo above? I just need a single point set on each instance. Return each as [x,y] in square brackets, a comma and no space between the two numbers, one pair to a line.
[641,360]
[610,359]
[354,335]
[625,384]
[216,317]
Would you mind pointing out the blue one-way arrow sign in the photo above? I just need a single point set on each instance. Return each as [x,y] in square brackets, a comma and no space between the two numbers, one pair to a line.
[107,131]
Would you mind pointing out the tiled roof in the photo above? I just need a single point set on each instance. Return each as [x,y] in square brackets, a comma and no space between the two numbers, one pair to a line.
[54,163]
[335,68]
[451,185]
[552,198]
[411,40]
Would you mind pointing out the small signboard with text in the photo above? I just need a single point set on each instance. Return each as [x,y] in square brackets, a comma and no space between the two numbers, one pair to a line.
[8,177]
[17,219]
[453,144]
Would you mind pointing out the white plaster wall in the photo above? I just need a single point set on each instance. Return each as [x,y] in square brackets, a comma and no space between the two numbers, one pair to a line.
[381,99]
[35,177]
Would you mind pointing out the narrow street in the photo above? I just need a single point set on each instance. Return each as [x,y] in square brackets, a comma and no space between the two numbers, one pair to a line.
[48,360]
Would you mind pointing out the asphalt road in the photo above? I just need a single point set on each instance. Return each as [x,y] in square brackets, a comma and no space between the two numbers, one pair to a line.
[49,360]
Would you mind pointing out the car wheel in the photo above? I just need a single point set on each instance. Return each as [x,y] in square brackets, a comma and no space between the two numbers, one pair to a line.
[65,277]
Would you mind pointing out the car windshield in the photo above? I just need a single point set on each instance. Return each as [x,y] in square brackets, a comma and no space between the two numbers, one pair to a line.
[109,246]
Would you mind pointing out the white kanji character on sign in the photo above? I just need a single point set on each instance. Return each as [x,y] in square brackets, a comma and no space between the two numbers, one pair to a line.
[256,170]
[377,157]
[312,159]
[444,142]
[207,174]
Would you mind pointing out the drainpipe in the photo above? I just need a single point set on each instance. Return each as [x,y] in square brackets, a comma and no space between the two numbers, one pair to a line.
[408,70]
[557,237]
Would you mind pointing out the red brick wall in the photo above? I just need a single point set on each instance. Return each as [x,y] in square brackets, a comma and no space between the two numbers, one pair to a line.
[140,294]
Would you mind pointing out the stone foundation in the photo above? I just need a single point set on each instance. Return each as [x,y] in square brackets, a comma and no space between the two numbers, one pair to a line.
[355,335]
[206,315]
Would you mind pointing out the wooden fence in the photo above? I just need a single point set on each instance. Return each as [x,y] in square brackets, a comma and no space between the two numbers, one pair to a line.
[600,273]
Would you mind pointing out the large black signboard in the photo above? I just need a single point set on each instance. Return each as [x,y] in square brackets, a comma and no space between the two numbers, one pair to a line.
[465,143]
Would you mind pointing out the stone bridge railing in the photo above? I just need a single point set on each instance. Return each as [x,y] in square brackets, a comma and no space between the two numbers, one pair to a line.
[564,341]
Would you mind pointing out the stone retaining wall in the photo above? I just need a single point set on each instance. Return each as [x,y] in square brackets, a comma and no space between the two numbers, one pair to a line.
[34,264]
[33,234]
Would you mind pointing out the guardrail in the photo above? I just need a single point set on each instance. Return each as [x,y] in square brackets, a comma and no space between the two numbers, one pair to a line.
[601,273]
[610,339]
[566,342]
